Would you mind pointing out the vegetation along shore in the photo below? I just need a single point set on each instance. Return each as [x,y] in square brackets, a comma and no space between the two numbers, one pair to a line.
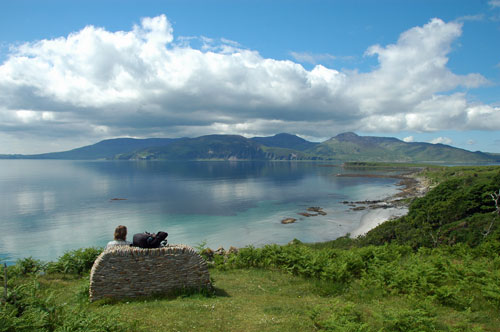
[412,184]
[437,268]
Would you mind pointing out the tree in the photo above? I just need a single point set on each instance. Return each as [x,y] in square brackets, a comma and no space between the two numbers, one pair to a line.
[496,199]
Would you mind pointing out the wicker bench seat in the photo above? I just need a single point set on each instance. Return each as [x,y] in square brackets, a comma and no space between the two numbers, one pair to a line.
[123,272]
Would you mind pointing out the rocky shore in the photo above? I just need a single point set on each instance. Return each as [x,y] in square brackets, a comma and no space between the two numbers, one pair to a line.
[411,184]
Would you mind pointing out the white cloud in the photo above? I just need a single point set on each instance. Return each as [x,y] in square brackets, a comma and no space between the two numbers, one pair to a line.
[409,139]
[494,3]
[95,83]
[441,140]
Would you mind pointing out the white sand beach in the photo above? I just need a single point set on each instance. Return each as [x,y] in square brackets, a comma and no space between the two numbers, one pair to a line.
[414,186]
[374,217]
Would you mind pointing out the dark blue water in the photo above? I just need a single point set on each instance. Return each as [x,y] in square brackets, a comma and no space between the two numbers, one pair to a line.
[50,206]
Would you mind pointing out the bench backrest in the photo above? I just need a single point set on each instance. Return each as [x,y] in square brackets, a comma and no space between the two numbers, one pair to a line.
[123,271]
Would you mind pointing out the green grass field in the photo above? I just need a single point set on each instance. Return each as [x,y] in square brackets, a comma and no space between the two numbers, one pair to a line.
[284,288]
[265,300]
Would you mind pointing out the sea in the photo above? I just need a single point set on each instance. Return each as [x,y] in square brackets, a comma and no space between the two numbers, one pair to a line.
[49,207]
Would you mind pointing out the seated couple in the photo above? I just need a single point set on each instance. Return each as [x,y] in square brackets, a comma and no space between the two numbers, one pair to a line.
[141,240]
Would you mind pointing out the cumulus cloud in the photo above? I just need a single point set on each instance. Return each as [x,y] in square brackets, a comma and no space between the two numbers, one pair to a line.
[441,140]
[96,83]
[409,139]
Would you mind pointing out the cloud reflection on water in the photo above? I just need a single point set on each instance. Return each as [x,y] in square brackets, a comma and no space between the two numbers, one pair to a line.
[48,207]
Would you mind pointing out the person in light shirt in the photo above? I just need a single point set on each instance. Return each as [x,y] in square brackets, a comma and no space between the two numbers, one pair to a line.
[120,238]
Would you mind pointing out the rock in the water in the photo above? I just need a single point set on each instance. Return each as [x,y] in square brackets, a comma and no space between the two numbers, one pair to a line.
[305,214]
[317,209]
[288,221]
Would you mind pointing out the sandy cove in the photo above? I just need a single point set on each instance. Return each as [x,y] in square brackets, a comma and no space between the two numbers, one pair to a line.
[378,211]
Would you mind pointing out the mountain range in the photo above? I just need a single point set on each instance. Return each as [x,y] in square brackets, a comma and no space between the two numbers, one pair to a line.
[343,147]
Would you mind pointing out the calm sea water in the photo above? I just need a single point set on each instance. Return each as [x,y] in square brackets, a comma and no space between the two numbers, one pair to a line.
[50,206]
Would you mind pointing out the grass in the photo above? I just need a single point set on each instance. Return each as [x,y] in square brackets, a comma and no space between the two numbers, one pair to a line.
[440,174]
[244,300]
[272,300]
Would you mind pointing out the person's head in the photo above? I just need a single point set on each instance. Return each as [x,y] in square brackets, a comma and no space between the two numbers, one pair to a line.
[121,233]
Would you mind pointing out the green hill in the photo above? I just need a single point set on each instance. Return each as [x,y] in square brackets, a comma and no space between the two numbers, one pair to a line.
[286,141]
[351,147]
[343,147]
[225,147]
[106,149]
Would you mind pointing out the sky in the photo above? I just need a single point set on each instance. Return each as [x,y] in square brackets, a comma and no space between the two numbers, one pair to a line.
[73,73]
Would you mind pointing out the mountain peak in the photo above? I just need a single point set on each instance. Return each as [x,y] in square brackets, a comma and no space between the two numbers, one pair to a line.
[285,140]
[364,140]
[285,135]
[348,136]
[348,133]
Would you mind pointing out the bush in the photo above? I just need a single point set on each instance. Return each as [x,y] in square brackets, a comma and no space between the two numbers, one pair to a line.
[327,264]
[75,262]
[29,308]
[410,320]
[341,317]
[28,266]
[458,210]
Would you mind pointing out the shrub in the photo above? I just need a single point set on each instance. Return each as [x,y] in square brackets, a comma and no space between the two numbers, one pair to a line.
[28,266]
[340,317]
[75,262]
[410,320]
[30,308]
[458,210]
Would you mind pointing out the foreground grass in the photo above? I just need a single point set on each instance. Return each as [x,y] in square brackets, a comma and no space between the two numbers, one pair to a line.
[244,300]
[254,299]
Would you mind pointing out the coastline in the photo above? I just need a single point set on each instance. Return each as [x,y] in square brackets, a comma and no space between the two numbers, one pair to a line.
[375,217]
[377,212]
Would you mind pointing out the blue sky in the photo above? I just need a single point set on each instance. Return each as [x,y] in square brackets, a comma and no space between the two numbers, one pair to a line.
[76,72]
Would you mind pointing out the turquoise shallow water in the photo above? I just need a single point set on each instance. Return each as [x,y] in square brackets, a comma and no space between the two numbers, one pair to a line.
[50,206]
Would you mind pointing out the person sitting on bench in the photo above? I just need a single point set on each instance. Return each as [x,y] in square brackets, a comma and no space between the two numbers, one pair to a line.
[120,238]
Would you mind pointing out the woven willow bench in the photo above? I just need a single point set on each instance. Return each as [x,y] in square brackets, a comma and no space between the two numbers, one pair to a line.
[123,272]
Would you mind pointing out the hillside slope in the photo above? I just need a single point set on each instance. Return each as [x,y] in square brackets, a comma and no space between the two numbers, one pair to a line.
[351,147]
[225,147]
[106,149]
[286,141]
